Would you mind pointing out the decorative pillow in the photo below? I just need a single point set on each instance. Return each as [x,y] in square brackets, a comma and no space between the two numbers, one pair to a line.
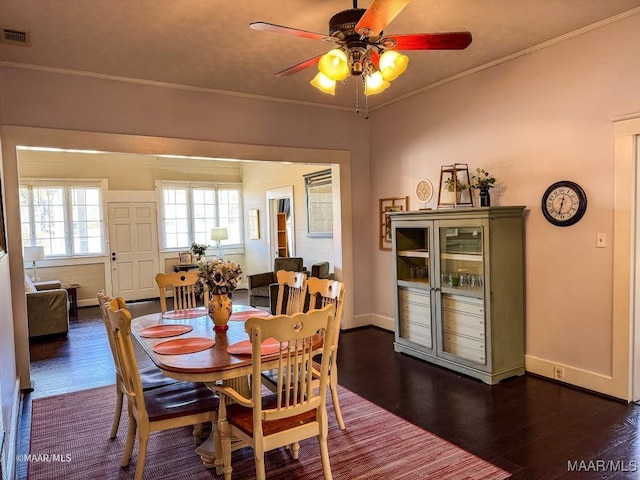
[29,287]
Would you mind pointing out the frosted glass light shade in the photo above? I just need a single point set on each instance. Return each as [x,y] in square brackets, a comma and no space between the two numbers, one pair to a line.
[219,233]
[33,254]
[392,64]
[324,84]
[334,65]
[374,83]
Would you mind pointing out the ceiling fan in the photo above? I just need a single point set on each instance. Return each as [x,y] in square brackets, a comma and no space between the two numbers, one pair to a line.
[362,50]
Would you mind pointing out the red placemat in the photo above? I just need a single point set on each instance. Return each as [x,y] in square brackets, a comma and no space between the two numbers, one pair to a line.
[268,347]
[184,314]
[242,316]
[181,346]
[162,331]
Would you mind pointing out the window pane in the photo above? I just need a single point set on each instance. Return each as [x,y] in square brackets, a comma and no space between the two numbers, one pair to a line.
[87,221]
[175,213]
[189,214]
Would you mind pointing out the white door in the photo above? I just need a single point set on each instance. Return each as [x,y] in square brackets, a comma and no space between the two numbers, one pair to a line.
[133,236]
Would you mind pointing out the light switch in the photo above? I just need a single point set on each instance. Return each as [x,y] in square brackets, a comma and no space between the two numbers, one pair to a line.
[601,240]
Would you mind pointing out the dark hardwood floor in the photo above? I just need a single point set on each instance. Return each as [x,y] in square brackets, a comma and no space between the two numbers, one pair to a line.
[532,427]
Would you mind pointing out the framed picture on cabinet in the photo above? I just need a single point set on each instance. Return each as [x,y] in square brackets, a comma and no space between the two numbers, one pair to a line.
[387,205]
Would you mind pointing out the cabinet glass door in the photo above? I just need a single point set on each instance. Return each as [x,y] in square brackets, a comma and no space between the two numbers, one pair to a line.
[412,257]
[461,260]
[413,275]
[462,286]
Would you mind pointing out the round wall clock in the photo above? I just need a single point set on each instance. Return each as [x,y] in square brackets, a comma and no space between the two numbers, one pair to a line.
[424,190]
[564,203]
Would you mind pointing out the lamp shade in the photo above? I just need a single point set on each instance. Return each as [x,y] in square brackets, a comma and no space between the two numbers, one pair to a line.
[374,83]
[334,65]
[324,83]
[219,233]
[392,64]
[33,254]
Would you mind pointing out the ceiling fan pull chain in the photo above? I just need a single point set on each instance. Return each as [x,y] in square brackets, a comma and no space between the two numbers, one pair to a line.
[357,98]
[366,107]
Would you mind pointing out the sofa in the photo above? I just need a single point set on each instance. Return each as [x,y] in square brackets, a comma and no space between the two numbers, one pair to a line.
[321,270]
[47,308]
[263,287]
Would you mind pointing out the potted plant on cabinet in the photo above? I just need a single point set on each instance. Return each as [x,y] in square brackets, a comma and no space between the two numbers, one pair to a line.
[455,187]
[483,181]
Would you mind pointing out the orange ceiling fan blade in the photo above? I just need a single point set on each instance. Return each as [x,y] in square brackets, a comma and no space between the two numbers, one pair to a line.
[427,41]
[270,27]
[379,14]
[299,67]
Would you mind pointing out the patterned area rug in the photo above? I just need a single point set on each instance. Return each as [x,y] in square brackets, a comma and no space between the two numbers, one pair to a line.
[70,440]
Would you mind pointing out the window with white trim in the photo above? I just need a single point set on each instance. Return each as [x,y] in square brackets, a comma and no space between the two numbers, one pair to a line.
[64,217]
[190,210]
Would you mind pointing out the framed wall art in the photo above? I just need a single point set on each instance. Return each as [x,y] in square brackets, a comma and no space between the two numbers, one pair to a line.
[3,238]
[254,224]
[386,205]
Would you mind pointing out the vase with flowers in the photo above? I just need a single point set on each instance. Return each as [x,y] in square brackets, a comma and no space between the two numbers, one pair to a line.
[483,181]
[198,250]
[219,278]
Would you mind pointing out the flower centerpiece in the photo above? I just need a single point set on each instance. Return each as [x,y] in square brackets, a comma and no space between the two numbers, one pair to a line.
[483,181]
[198,250]
[220,277]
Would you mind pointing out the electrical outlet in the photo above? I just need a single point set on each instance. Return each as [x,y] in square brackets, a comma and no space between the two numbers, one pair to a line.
[558,373]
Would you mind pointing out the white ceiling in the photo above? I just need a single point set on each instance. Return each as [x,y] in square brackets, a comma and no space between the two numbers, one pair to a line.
[208,43]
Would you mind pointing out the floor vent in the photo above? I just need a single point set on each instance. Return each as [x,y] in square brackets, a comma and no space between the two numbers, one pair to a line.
[11,36]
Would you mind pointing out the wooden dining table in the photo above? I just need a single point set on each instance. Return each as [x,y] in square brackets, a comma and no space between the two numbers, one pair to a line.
[211,365]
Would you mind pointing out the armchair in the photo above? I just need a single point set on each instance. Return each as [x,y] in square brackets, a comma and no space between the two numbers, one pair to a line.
[47,308]
[321,270]
[263,287]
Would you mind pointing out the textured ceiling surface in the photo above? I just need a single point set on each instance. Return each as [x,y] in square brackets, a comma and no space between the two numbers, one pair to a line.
[208,43]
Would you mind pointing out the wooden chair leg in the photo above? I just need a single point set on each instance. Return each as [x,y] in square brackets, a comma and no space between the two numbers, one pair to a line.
[295,450]
[143,441]
[197,433]
[324,451]
[131,437]
[118,412]
[259,458]
[333,386]
[225,440]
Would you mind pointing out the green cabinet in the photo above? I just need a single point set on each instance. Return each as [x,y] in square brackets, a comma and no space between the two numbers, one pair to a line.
[459,289]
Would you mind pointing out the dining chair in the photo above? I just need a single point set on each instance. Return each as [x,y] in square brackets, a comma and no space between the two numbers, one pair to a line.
[323,292]
[177,405]
[292,291]
[151,377]
[184,289]
[296,410]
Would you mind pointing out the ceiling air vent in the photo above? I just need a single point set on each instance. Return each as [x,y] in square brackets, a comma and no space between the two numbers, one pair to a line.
[11,36]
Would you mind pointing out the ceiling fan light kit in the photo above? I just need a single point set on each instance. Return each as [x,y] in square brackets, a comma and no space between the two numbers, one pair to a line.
[362,50]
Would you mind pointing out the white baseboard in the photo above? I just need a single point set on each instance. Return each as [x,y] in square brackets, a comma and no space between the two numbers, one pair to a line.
[383,322]
[578,377]
[369,319]
[572,375]
[11,442]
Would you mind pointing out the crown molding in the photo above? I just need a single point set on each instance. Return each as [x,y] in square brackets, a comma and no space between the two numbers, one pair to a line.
[526,51]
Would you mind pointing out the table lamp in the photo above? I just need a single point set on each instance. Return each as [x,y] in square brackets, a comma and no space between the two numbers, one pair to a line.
[218,234]
[33,254]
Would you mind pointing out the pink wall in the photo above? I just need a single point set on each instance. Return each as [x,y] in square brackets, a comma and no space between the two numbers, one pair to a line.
[541,118]
[42,99]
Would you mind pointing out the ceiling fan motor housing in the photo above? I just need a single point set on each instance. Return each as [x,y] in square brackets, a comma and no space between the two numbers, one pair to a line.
[342,26]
